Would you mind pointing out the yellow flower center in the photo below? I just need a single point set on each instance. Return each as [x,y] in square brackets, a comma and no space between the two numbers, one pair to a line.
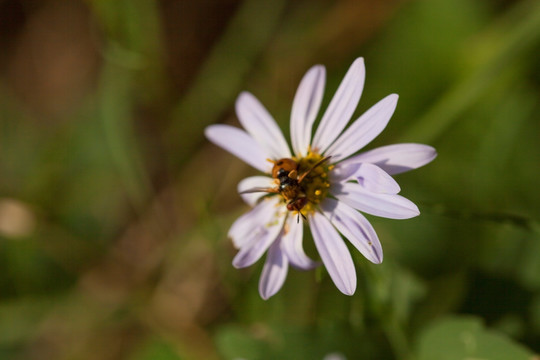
[315,184]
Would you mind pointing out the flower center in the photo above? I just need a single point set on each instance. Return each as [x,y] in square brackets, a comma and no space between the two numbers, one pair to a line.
[315,184]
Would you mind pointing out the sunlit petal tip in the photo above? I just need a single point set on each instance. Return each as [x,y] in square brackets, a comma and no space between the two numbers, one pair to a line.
[341,107]
[236,263]
[379,256]
[260,237]
[355,228]
[241,101]
[334,253]
[397,158]
[414,211]
[348,288]
[249,255]
[245,226]
[258,122]
[430,152]
[240,144]
[374,179]
[316,70]
[379,260]
[359,62]
[213,132]
[265,294]
[305,108]
[246,257]
[384,205]
[394,98]
[245,98]
[364,129]
[348,292]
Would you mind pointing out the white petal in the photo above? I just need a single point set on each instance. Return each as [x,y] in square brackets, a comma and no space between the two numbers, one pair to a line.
[384,205]
[341,107]
[262,126]
[254,182]
[291,244]
[342,172]
[373,178]
[259,240]
[274,272]
[355,227]
[334,253]
[242,229]
[307,102]
[363,130]
[397,158]
[240,144]
[370,176]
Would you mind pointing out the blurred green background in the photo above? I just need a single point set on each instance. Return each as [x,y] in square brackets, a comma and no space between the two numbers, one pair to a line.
[114,209]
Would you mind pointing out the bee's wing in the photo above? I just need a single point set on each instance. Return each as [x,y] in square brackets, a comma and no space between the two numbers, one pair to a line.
[260,189]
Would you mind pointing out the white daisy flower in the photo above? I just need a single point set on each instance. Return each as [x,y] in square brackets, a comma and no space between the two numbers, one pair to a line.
[321,180]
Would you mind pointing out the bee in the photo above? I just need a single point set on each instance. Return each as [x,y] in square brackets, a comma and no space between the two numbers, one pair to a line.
[285,171]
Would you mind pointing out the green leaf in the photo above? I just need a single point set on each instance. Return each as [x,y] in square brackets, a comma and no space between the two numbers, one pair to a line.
[465,338]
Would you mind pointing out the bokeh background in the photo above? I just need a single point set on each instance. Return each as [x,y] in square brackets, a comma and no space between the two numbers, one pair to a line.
[114,209]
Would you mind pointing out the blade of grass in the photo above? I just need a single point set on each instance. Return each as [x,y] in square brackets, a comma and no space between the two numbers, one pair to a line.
[132,50]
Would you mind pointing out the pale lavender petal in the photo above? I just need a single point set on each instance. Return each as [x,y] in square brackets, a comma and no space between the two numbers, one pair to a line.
[254,182]
[274,272]
[341,107]
[259,240]
[373,178]
[334,253]
[355,228]
[240,144]
[342,172]
[307,102]
[384,205]
[291,244]
[242,229]
[397,158]
[261,125]
[363,130]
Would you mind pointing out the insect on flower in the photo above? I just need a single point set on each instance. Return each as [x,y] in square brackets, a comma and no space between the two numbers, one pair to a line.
[323,179]
[289,184]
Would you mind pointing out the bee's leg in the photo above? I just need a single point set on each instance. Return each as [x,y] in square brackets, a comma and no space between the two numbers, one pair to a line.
[260,189]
